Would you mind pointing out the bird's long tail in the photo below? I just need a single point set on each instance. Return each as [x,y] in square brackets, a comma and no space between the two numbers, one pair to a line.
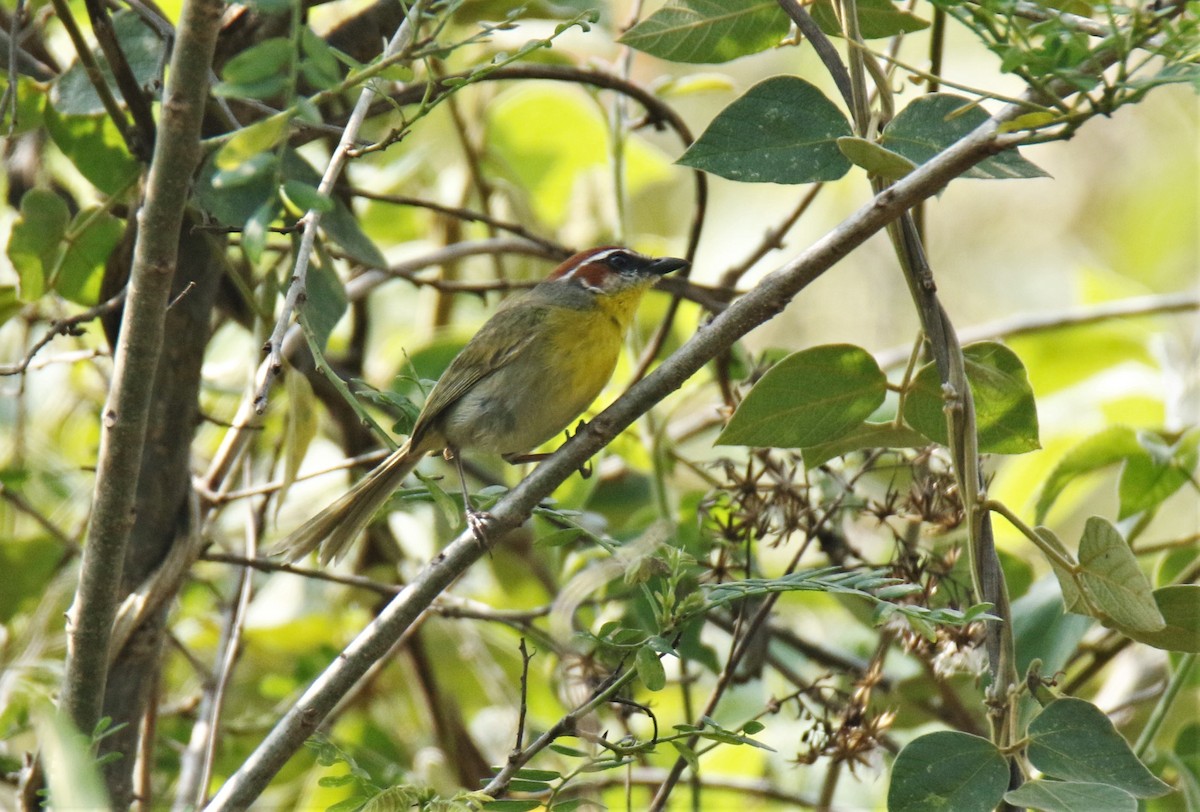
[337,525]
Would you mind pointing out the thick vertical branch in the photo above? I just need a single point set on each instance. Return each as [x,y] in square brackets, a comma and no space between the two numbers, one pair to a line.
[125,416]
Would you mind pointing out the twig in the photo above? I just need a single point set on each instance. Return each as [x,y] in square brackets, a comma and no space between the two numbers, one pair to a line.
[131,91]
[1024,324]
[63,327]
[554,248]
[266,565]
[312,219]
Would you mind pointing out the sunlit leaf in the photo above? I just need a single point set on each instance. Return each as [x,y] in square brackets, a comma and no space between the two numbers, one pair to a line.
[706,31]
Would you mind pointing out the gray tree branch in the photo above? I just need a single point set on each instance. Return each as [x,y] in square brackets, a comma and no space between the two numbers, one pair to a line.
[127,411]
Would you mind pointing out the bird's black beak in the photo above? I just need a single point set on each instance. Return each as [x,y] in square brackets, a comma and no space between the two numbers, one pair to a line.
[666,265]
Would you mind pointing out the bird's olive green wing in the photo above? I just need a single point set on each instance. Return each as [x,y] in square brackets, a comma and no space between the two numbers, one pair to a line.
[499,341]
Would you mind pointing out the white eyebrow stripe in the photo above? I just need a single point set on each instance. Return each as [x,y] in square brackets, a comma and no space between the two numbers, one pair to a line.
[599,256]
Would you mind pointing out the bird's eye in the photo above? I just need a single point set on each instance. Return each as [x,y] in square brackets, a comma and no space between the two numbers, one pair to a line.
[622,262]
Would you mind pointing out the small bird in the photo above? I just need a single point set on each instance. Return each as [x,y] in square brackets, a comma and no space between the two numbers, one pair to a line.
[532,368]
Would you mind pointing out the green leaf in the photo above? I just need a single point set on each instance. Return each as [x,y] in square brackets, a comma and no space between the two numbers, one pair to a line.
[877,19]
[1073,740]
[932,122]
[324,303]
[1156,472]
[1005,411]
[866,435]
[687,754]
[706,31]
[1179,606]
[300,427]
[650,669]
[1068,583]
[810,397]
[341,226]
[1071,796]
[259,72]
[875,159]
[783,130]
[306,197]
[1043,630]
[1110,446]
[95,147]
[248,142]
[1110,574]
[950,771]
[512,806]
[73,93]
[36,239]
[10,303]
[319,66]
[93,236]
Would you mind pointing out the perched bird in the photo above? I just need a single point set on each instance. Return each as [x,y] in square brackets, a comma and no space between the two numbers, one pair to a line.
[532,368]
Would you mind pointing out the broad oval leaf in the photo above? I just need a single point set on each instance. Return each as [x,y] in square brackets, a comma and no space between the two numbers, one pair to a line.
[783,130]
[1005,412]
[813,396]
[1109,572]
[1072,739]
[1179,606]
[948,770]
[707,31]
[934,121]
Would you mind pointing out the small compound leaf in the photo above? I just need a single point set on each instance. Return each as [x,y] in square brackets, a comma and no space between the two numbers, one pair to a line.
[707,31]
[948,770]
[1073,740]
[650,669]
[810,397]
[1005,411]
[932,122]
[1071,796]
[783,130]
